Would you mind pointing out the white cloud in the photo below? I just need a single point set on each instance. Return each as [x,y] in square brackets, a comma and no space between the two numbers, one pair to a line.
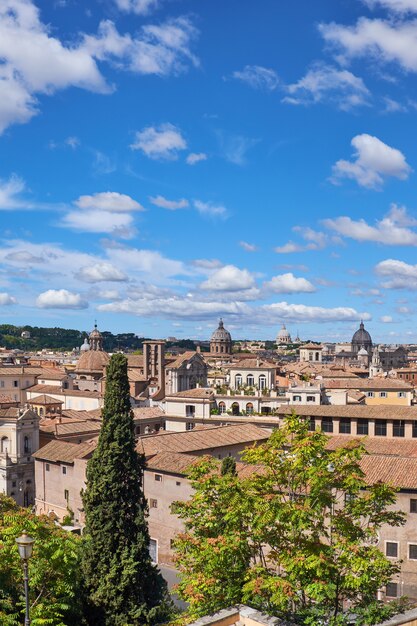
[396,6]
[171,205]
[392,106]
[330,84]
[162,142]
[249,247]
[210,209]
[196,157]
[10,193]
[100,272]
[120,224]
[288,248]
[229,278]
[386,319]
[72,142]
[7,300]
[381,40]
[399,275]
[108,201]
[373,161]
[140,7]
[303,313]
[258,77]
[35,62]
[60,299]
[288,283]
[234,148]
[392,230]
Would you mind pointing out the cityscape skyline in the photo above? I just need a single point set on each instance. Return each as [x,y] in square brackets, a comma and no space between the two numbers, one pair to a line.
[155,177]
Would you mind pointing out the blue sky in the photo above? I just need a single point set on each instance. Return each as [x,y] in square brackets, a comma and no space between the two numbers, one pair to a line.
[167,162]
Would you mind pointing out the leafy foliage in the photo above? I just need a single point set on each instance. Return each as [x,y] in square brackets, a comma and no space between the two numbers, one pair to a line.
[298,537]
[53,570]
[124,587]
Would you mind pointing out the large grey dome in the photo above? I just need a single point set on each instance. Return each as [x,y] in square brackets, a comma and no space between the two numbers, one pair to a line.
[221,334]
[361,339]
[283,335]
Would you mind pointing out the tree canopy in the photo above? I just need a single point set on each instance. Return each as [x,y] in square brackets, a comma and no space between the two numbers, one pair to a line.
[295,534]
[53,570]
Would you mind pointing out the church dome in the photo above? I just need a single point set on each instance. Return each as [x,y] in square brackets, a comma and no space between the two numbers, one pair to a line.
[221,334]
[283,335]
[361,339]
[92,361]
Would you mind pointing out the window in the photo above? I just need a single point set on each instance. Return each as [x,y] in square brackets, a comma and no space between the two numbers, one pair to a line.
[381,428]
[344,426]
[158,478]
[5,445]
[153,549]
[398,429]
[327,425]
[391,590]
[15,383]
[362,427]
[64,469]
[47,467]
[238,380]
[153,503]
[189,426]
[66,494]
[222,408]
[312,424]
[415,428]
[370,394]
[249,408]
[296,398]
[413,505]
[401,394]
[262,382]
[14,483]
[26,445]
[391,549]
[178,483]
[383,394]
[190,410]
[311,398]
[412,551]
[235,408]
[250,381]
[1,383]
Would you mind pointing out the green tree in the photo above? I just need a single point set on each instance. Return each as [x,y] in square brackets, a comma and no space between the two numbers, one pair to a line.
[53,570]
[124,587]
[310,531]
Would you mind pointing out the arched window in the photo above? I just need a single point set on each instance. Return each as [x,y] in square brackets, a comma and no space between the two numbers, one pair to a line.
[262,381]
[238,380]
[5,444]
[249,408]
[317,356]
[221,348]
[26,445]
[250,380]
[41,412]
[222,408]
[235,408]
[217,348]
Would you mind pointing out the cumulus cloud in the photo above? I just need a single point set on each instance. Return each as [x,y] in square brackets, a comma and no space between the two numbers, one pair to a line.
[381,40]
[139,7]
[325,83]
[288,248]
[171,205]
[10,193]
[302,313]
[258,77]
[396,6]
[118,224]
[196,157]
[288,283]
[249,247]
[386,319]
[60,299]
[108,201]
[229,278]
[7,300]
[397,274]
[34,62]
[372,162]
[100,272]
[210,209]
[162,142]
[392,230]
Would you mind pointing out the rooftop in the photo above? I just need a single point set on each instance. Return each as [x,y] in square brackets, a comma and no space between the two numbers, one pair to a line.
[200,392]
[52,389]
[64,452]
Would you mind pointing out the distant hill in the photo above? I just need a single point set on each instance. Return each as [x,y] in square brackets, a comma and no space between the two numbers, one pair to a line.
[66,339]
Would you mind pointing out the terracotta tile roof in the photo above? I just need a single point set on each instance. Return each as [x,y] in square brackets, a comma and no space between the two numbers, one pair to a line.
[191,441]
[16,412]
[386,446]
[387,411]
[51,389]
[13,370]
[135,360]
[52,374]
[73,428]
[252,363]
[47,424]
[400,472]
[181,359]
[135,375]
[64,452]
[368,383]
[74,414]
[311,346]
[45,399]
[147,412]
[179,464]
[201,392]
[6,399]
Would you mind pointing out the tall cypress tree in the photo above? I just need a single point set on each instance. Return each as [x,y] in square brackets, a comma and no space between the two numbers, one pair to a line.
[123,586]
